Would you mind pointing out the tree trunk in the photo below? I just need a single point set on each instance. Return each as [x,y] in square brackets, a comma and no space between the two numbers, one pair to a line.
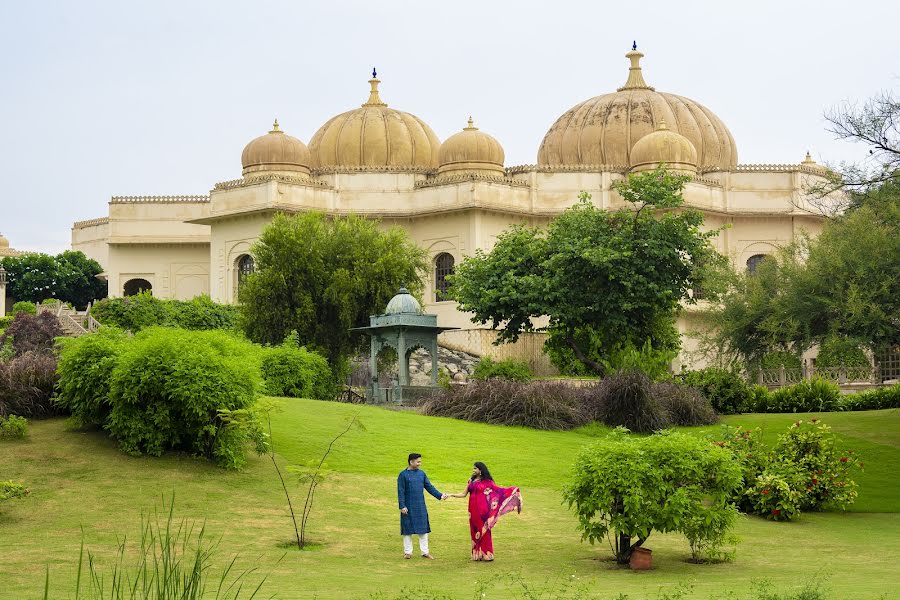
[597,367]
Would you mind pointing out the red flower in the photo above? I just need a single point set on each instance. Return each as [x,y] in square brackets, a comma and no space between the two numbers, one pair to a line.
[843,459]
[815,481]
[776,512]
[765,492]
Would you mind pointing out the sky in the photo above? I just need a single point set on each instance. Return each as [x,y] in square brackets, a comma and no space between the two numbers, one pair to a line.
[101,99]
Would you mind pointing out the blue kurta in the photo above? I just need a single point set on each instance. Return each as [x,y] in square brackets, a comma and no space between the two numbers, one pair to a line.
[410,494]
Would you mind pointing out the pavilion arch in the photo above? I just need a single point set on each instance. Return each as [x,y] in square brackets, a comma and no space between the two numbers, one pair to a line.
[135,286]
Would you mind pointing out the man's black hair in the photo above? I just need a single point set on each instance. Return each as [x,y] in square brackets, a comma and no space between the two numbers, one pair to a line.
[413,456]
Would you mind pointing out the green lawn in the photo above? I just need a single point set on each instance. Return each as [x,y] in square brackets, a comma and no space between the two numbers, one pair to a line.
[80,480]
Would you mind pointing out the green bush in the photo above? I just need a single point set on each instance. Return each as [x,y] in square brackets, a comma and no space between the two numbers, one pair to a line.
[5,321]
[841,352]
[296,372]
[24,307]
[85,370]
[804,471]
[13,427]
[134,313]
[631,486]
[759,398]
[10,490]
[726,390]
[780,358]
[877,399]
[652,362]
[809,395]
[173,389]
[627,400]
[514,370]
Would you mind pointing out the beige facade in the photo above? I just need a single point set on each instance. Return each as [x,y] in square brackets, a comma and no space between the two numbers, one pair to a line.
[453,198]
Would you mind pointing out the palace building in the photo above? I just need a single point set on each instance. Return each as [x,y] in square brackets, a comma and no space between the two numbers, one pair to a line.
[453,197]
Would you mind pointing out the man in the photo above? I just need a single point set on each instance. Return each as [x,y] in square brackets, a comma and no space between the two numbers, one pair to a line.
[411,484]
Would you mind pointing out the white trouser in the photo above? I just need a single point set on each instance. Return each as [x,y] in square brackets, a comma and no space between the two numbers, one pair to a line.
[423,543]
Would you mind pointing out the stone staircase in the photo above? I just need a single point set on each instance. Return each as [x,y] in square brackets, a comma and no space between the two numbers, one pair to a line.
[74,323]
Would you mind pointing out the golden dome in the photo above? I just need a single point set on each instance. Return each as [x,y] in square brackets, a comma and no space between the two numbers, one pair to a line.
[604,129]
[471,150]
[664,146]
[375,136]
[275,151]
[4,243]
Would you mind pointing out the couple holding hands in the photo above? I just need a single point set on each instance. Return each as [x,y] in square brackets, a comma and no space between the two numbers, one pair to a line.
[487,503]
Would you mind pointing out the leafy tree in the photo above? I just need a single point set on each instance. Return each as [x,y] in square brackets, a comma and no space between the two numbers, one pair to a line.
[604,278]
[626,487]
[70,276]
[321,276]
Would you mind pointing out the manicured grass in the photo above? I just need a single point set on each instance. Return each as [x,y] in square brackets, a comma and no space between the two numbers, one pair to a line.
[80,480]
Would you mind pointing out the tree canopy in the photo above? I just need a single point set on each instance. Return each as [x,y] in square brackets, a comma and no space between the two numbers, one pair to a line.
[322,276]
[69,276]
[604,278]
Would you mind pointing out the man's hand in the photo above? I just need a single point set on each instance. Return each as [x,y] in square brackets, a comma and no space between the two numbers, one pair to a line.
[404,511]
[444,496]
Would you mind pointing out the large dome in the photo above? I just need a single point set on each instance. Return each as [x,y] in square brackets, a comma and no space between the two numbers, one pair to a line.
[375,136]
[602,130]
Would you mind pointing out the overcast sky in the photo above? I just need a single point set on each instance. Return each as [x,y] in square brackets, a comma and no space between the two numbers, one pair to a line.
[159,97]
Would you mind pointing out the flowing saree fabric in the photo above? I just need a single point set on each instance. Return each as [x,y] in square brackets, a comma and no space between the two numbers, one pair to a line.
[487,503]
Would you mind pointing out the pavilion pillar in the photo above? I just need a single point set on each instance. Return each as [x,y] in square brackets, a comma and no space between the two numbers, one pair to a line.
[373,366]
[402,358]
[434,360]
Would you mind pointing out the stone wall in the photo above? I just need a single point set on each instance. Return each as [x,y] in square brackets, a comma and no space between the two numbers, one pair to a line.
[480,342]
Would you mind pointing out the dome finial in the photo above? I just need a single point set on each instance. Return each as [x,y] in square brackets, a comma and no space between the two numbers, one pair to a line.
[276,128]
[471,126]
[635,77]
[374,98]
[662,125]
[809,159]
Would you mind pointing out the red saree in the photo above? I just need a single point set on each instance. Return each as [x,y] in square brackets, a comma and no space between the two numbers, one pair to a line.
[487,503]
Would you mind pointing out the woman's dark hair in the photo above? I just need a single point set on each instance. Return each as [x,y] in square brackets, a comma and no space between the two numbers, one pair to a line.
[485,474]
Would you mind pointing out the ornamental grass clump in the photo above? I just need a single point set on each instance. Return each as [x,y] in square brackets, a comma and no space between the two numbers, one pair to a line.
[190,391]
[27,384]
[29,333]
[627,400]
[684,405]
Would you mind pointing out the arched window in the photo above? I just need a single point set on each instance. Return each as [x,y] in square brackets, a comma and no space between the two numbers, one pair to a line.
[754,261]
[245,266]
[133,287]
[443,266]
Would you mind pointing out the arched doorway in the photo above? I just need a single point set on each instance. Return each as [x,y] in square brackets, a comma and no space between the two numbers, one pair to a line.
[133,287]
[245,267]
[754,261]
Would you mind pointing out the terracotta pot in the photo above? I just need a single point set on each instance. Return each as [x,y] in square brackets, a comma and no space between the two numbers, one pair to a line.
[641,559]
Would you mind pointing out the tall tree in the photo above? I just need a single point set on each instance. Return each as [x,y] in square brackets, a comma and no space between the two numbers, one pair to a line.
[321,276]
[602,278]
[70,276]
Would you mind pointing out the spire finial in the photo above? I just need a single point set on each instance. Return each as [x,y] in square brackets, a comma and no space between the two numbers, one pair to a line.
[275,127]
[809,159]
[374,98]
[635,77]
[471,126]
[662,125]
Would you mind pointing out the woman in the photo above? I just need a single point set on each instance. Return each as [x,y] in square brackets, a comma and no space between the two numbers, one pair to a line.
[487,503]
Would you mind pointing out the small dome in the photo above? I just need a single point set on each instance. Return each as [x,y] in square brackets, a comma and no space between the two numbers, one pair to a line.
[276,151]
[471,150]
[664,146]
[403,304]
[604,129]
[375,136]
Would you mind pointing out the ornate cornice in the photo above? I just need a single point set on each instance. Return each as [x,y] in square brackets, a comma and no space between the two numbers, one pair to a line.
[566,169]
[464,177]
[157,199]
[707,181]
[90,222]
[257,179]
[774,168]
[374,169]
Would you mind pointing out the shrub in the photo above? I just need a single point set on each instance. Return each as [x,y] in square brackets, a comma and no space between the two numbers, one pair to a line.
[514,370]
[626,400]
[652,362]
[24,307]
[780,358]
[32,333]
[13,427]
[685,406]
[5,321]
[759,398]
[10,490]
[541,404]
[630,486]
[726,390]
[809,395]
[841,352]
[143,310]
[170,387]
[877,399]
[26,385]
[85,370]
[296,372]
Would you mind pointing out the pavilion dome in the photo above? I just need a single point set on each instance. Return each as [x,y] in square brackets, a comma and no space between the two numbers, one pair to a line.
[664,146]
[275,151]
[603,130]
[375,136]
[471,150]
[403,303]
